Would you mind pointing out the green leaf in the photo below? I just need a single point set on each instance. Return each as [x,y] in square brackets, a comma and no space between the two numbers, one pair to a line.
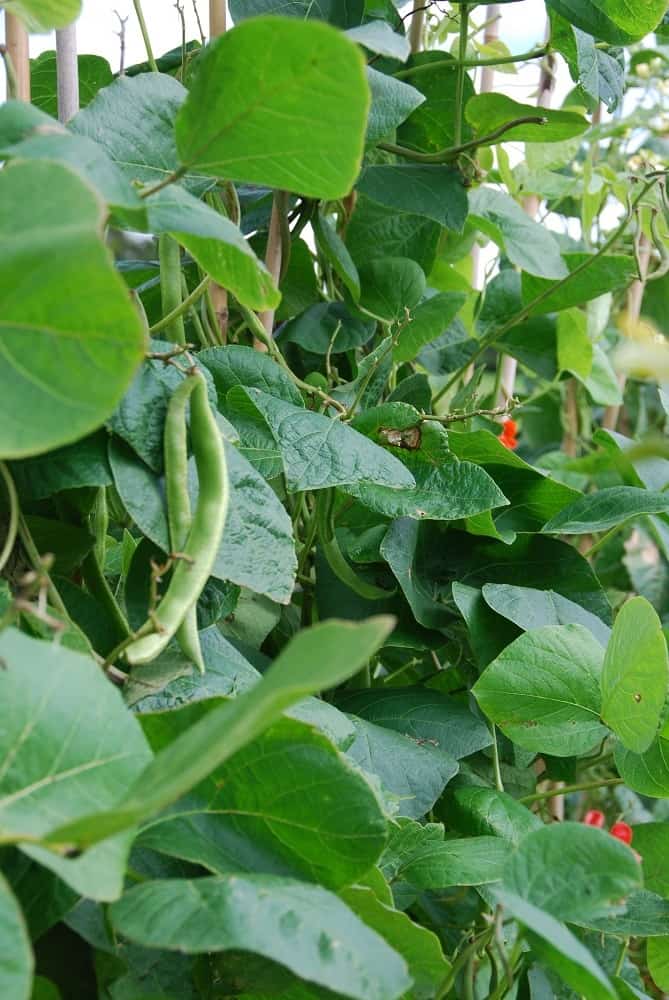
[133,120]
[528,245]
[574,347]
[274,807]
[62,762]
[635,675]
[316,658]
[645,914]
[392,103]
[478,811]
[652,842]
[94,73]
[601,73]
[236,365]
[16,956]
[43,15]
[319,452]
[557,947]
[602,382]
[403,550]
[86,158]
[471,861]
[488,112]
[401,234]
[428,320]
[614,21]
[605,509]
[302,927]
[436,192]
[413,772]
[419,946]
[40,291]
[255,90]
[72,467]
[605,274]
[327,328]
[531,609]
[379,37]
[424,715]
[343,14]
[646,773]
[431,127]
[657,956]
[389,286]
[215,243]
[543,691]
[550,862]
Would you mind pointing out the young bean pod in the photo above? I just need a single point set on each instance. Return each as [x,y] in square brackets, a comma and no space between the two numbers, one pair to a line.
[193,569]
[179,517]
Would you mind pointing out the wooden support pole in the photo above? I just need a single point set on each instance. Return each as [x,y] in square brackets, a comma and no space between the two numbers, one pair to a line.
[67,68]
[16,40]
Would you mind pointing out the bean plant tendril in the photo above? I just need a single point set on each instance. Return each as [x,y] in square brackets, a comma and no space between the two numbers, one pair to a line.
[334,494]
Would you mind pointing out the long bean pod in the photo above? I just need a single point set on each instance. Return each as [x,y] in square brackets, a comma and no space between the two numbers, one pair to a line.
[192,570]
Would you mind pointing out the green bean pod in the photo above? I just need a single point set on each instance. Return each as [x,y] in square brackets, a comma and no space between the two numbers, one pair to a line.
[192,572]
[327,539]
[169,253]
[179,518]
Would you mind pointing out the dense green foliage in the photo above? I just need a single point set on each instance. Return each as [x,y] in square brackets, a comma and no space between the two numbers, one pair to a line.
[310,670]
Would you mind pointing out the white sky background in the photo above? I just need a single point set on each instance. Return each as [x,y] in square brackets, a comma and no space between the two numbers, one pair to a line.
[522,27]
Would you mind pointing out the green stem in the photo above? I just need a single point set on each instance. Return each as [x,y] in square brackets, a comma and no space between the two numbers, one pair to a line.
[621,957]
[36,562]
[14,511]
[145,35]
[451,153]
[182,307]
[497,334]
[581,786]
[367,379]
[97,585]
[461,72]
[12,82]
[259,331]
[170,289]
[462,960]
[499,784]
[606,537]
[470,63]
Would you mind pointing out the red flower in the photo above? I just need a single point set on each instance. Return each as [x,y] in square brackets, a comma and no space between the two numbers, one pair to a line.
[508,437]
[594,818]
[621,831]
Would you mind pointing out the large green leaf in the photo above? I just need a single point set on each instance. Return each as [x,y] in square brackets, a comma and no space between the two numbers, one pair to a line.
[437,192]
[403,549]
[543,691]
[419,946]
[645,914]
[616,21]
[392,103]
[606,508]
[557,947]
[343,13]
[652,842]
[657,956]
[379,37]
[479,811]
[530,609]
[319,452]
[635,675]
[16,956]
[603,274]
[316,658]
[302,927]
[81,464]
[424,715]
[278,102]
[236,365]
[401,234]
[44,315]
[646,773]
[43,15]
[429,320]
[69,747]
[431,127]
[274,807]
[215,243]
[133,120]
[527,244]
[470,861]
[550,862]
[389,287]
[94,73]
[414,773]
[487,112]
